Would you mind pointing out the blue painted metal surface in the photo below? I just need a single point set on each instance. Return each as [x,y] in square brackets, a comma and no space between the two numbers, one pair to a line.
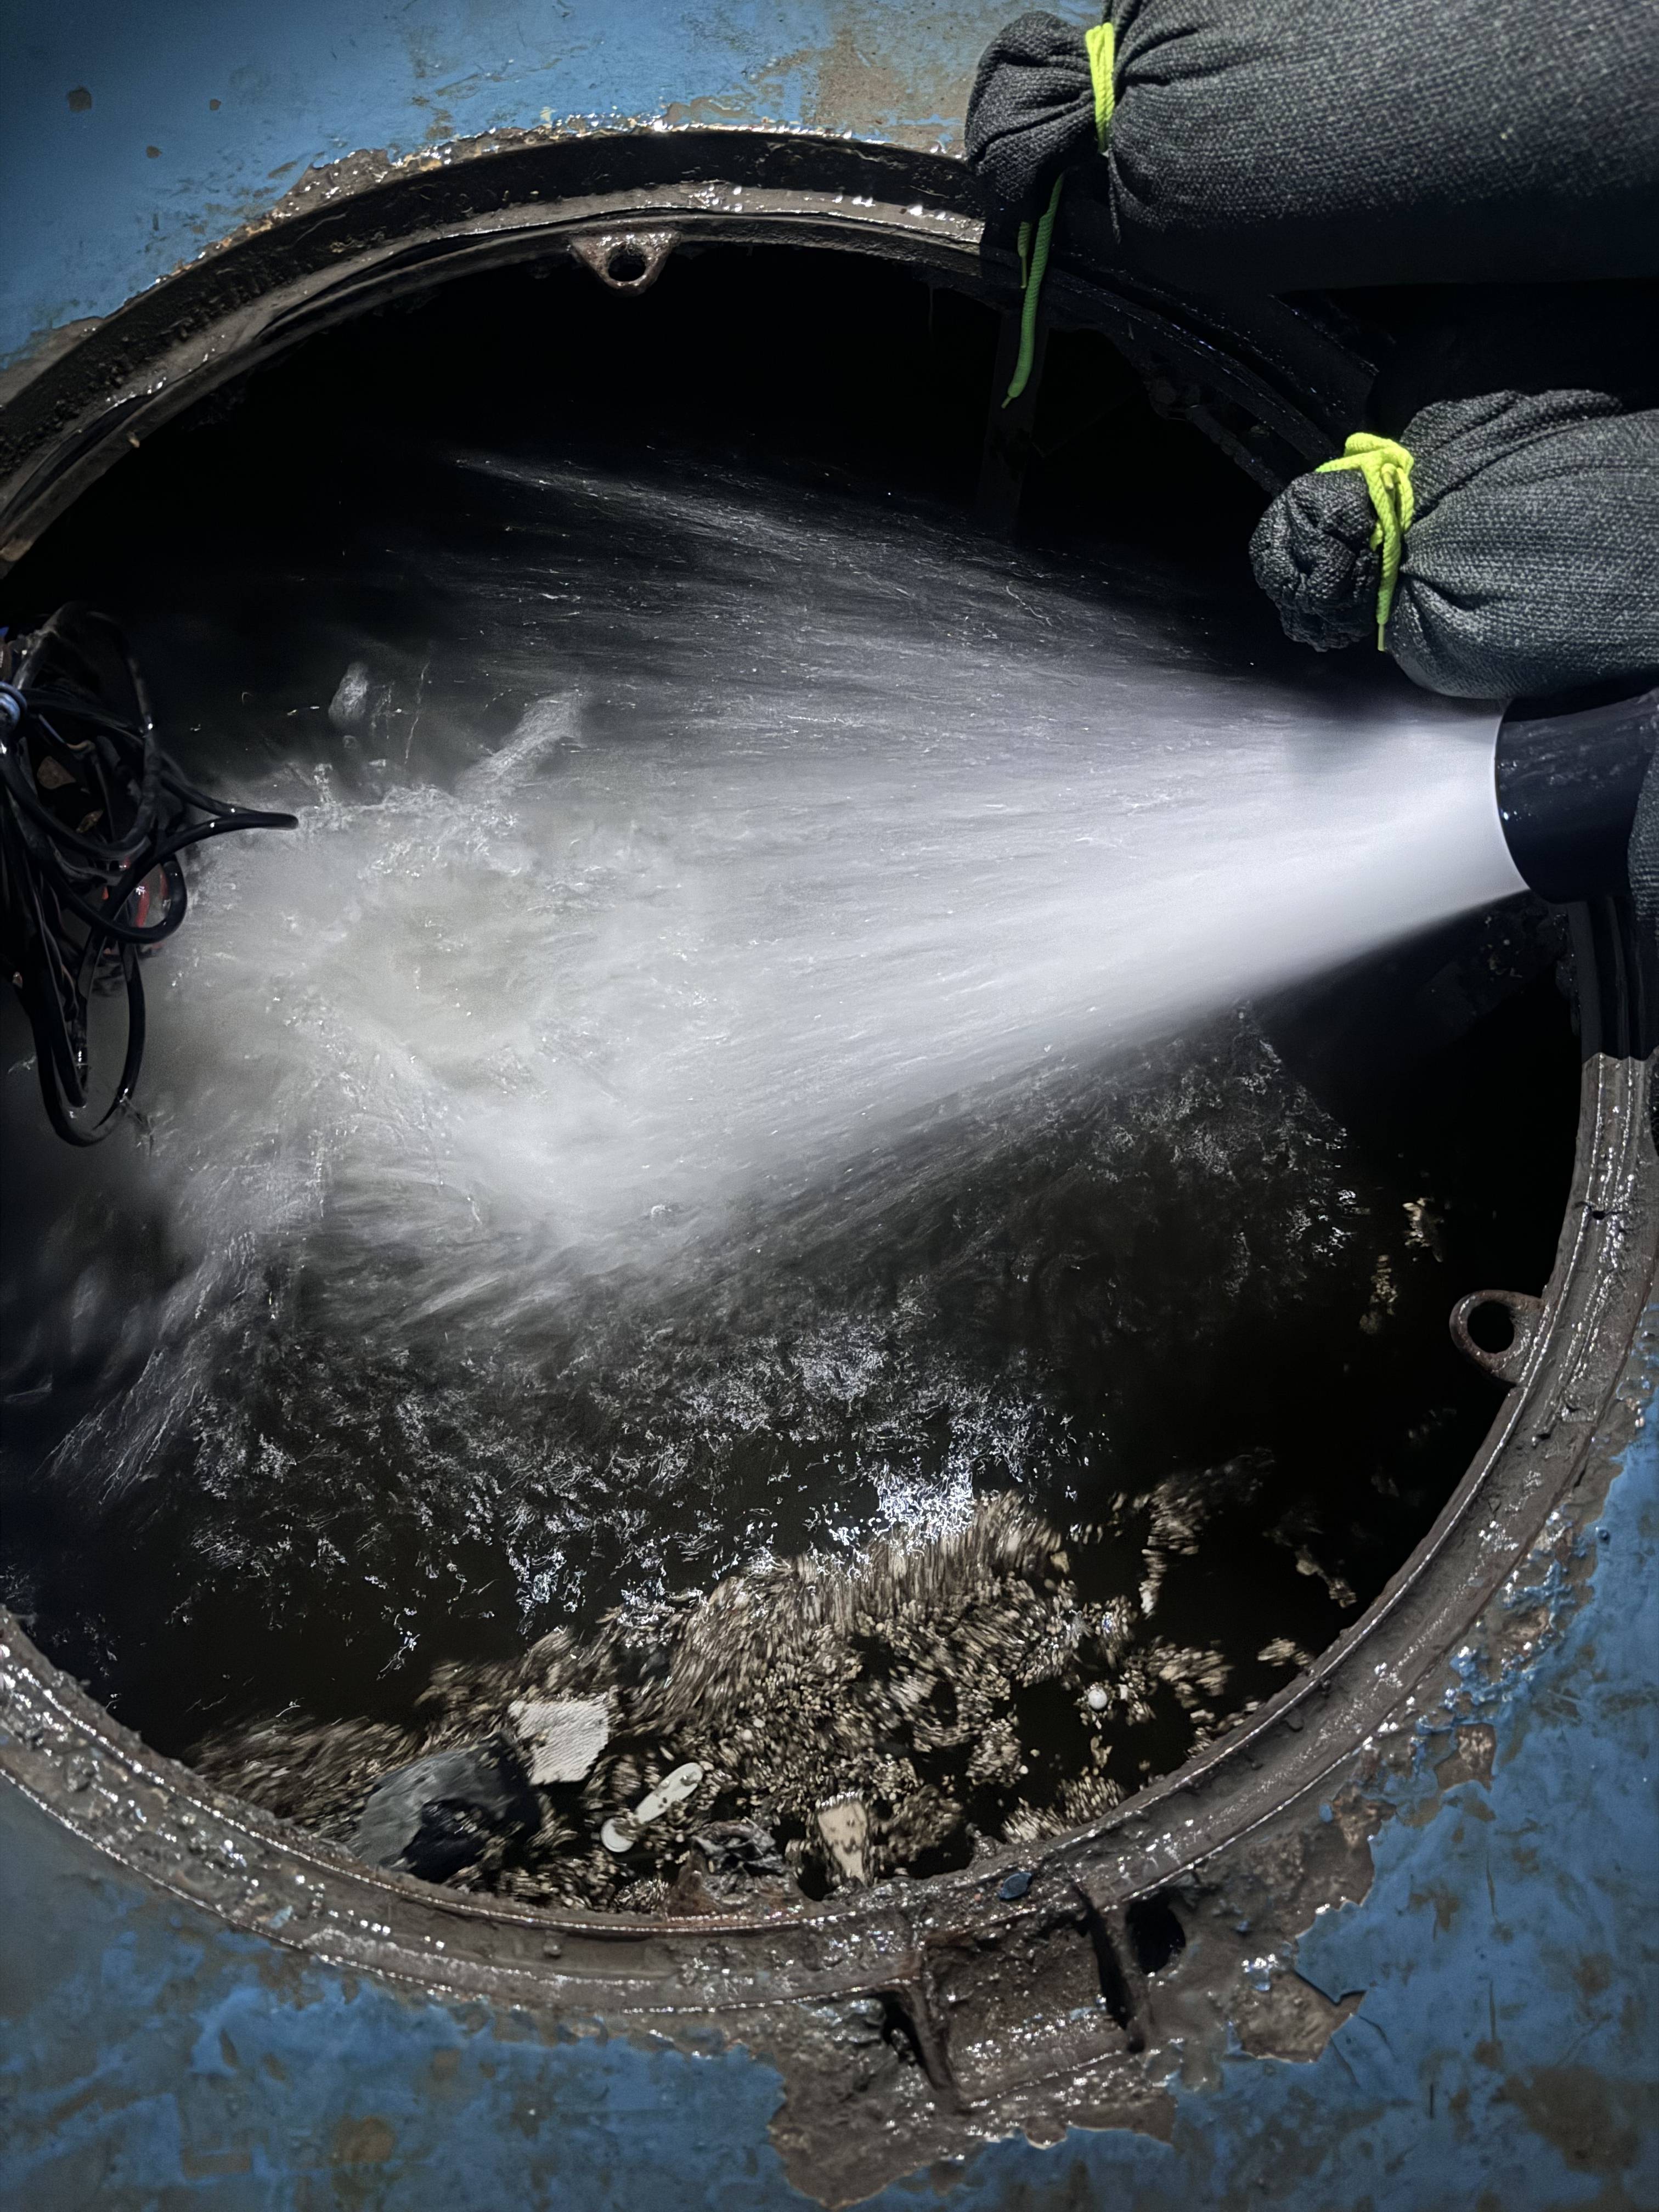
[204,113]
[1502,2054]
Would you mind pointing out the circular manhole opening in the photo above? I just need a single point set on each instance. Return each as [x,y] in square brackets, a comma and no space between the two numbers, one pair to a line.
[515,1323]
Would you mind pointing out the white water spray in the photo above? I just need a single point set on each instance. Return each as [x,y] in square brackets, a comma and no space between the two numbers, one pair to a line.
[815,824]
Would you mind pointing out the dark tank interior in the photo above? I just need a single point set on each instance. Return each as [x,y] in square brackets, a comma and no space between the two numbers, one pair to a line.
[936,1502]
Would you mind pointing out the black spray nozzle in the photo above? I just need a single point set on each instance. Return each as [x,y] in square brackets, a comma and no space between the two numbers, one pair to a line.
[1570,773]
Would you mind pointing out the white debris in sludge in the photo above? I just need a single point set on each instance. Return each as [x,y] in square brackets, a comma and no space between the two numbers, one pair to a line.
[559,1739]
[891,1714]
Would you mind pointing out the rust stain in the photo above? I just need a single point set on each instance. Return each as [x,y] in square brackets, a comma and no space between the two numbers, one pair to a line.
[1594,1975]
[888,71]
[1444,1901]
[712,110]
[211,2165]
[367,2141]
[1597,2125]
[855,82]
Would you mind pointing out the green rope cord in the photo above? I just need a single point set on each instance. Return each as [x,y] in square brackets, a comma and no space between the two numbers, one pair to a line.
[1100,42]
[1033,260]
[1386,469]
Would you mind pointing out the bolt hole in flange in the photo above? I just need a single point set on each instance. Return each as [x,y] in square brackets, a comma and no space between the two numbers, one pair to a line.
[626,260]
[1156,1934]
[1496,1330]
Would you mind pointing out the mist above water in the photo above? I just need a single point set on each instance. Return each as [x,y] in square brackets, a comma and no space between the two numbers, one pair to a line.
[809,829]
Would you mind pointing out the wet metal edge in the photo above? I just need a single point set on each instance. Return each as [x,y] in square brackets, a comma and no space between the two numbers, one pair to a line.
[1267,381]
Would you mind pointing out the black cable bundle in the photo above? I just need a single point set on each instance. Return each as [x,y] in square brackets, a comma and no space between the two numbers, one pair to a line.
[93,815]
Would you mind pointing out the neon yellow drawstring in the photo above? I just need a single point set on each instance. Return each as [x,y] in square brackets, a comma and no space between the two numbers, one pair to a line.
[1101,43]
[1386,469]
[1033,260]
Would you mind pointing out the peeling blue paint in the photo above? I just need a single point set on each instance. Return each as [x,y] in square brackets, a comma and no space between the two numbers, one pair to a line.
[238,98]
[1507,1945]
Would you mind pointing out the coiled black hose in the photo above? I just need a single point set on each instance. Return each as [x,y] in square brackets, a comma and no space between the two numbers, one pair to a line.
[94,816]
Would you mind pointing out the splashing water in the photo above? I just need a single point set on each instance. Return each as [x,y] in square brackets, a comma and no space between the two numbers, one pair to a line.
[814,860]
[807,833]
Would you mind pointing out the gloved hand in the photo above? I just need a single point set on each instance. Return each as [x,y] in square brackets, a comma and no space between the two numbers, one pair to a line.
[1031,112]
